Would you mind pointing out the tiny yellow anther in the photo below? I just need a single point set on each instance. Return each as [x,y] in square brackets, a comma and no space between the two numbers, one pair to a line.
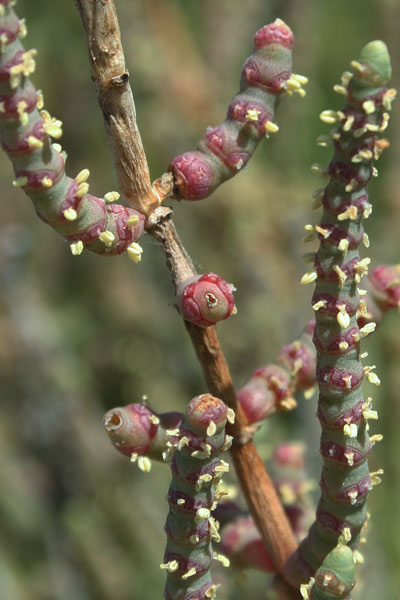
[346,77]
[39,100]
[47,182]
[82,176]
[367,329]
[293,84]
[302,79]
[324,232]
[352,185]
[374,379]
[20,181]
[172,431]
[369,106]
[319,304]
[378,437]
[224,560]
[308,277]
[184,441]
[374,476]
[22,29]
[370,414]
[82,190]
[341,275]
[330,116]
[388,98]
[349,455]
[343,245]
[211,591]
[107,237]
[252,114]
[271,127]
[23,116]
[111,196]
[211,429]
[144,464]
[76,248]
[132,221]
[367,211]
[222,467]
[343,318]
[135,252]
[350,430]
[202,513]
[357,66]
[34,143]
[230,415]
[227,443]
[340,89]
[358,557]
[348,124]
[353,494]
[70,214]
[345,538]
[350,213]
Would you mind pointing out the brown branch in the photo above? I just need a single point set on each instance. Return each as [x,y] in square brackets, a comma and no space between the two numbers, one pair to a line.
[115,98]
[257,487]
[114,94]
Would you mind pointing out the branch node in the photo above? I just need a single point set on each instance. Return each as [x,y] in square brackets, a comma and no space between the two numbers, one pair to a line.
[120,80]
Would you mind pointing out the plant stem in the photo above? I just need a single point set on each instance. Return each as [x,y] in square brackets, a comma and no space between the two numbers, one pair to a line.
[114,95]
[100,23]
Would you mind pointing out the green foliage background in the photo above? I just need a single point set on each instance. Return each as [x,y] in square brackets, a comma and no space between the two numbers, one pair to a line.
[81,335]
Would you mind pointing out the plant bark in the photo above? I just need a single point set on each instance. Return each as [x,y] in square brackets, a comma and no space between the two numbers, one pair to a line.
[111,78]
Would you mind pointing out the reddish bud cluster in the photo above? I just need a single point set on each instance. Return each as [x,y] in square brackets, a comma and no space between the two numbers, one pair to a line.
[385,282]
[206,299]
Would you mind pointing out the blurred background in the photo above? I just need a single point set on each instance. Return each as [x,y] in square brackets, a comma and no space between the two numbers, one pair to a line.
[81,335]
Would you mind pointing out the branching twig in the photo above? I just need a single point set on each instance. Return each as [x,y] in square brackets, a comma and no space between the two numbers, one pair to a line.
[115,98]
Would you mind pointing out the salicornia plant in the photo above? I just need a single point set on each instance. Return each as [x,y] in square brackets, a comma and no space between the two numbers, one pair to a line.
[276,532]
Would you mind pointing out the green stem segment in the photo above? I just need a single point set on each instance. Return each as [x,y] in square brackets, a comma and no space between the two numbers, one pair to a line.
[335,578]
[227,148]
[84,220]
[193,494]
[342,410]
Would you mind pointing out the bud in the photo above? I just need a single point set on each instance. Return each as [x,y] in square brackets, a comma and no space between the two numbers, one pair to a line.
[206,299]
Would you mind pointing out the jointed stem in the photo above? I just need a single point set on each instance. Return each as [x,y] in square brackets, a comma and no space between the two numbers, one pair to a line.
[100,23]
